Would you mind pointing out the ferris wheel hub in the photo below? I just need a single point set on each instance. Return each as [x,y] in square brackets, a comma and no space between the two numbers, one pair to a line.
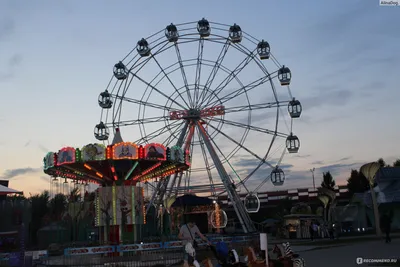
[197,114]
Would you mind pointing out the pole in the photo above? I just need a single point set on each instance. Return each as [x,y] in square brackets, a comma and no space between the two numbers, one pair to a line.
[264,246]
[313,178]
[376,210]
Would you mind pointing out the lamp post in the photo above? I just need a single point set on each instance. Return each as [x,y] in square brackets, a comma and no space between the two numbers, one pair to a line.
[313,178]
[370,170]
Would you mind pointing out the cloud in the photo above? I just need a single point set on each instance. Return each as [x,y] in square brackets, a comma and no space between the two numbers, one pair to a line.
[252,163]
[335,98]
[298,155]
[7,28]
[336,169]
[344,159]
[317,162]
[13,62]
[340,26]
[11,173]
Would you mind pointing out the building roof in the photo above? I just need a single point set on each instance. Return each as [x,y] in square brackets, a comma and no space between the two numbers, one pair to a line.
[6,191]
[387,189]
[388,174]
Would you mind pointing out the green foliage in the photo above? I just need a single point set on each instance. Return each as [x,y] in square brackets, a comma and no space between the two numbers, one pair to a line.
[357,183]
[57,206]
[328,181]
[301,208]
[382,163]
[40,208]
[283,208]
[396,163]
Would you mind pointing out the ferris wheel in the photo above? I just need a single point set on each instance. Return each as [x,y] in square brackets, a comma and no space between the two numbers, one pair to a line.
[216,92]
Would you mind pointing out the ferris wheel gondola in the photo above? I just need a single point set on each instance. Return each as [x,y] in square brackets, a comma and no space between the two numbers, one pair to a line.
[252,203]
[277,176]
[105,100]
[284,75]
[120,71]
[294,108]
[199,101]
[171,32]
[101,131]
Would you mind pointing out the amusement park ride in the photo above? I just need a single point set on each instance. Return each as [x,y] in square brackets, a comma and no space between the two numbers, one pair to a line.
[183,111]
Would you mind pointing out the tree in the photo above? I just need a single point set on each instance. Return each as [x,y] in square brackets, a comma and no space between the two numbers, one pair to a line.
[357,183]
[39,210]
[382,162]
[58,206]
[328,181]
[396,163]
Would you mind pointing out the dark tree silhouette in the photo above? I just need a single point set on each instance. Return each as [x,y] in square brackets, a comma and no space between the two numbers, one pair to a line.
[328,181]
[382,163]
[357,183]
[396,163]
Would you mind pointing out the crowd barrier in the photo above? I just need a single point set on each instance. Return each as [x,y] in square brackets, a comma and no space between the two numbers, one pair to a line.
[148,246]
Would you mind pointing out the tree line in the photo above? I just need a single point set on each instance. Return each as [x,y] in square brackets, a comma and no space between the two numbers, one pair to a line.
[357,182]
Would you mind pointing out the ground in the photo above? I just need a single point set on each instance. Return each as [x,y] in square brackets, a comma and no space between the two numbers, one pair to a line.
[346,255]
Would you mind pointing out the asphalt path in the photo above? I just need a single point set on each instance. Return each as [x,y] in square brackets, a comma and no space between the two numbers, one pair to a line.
[346,255]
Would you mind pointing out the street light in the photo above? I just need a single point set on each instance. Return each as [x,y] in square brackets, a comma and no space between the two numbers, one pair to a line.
[313,179]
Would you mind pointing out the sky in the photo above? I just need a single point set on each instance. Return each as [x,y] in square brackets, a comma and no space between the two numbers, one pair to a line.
[57,56]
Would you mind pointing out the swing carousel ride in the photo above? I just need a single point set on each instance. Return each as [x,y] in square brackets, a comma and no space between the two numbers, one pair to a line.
[201,105]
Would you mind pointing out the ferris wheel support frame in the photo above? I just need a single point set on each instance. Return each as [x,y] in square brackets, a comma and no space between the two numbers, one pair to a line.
[243,216]
[162,185]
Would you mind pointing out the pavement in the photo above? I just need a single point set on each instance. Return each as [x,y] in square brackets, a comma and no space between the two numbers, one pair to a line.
[346,255]
[327,241]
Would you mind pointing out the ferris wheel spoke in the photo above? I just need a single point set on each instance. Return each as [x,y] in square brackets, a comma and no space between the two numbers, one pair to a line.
[198,71]
[157,133]
[141,121]
[189,172]
[158,91]
[214,71]
[208,169]
[167,142]
[185,81]
[255,107]
[250,127]
[242,90]
[239,144]
[141,102]
[226,158]
[170,81]
[241,66]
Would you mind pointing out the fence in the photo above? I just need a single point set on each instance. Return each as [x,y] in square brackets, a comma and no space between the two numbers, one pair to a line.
[144,254]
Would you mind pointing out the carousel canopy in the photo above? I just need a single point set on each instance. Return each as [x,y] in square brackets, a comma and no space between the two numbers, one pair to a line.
[6,191]
[191,200]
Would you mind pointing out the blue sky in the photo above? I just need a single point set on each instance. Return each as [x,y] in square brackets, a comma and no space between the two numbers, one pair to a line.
[57,56]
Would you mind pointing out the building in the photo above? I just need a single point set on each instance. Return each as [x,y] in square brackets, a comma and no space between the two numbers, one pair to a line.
[387,190]
[308,195]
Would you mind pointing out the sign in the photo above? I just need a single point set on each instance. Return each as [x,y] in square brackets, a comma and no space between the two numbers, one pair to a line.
[125,150]
[155,151]
[66,156]
[136,247]
[89,250]
[49,160]
[92,152]
[173,244]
